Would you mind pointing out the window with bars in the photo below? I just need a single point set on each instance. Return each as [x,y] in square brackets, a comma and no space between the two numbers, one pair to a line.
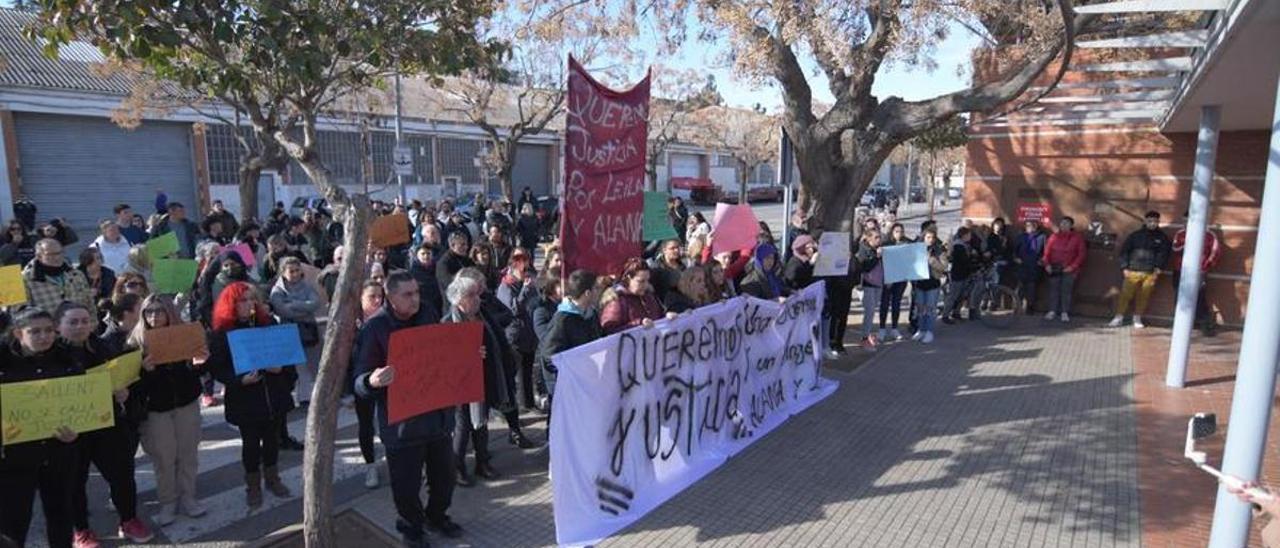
[384,146]
[341,153]
[726,160]
[224,153]
[457,158]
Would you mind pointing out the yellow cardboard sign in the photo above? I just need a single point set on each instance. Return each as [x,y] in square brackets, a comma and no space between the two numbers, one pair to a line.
[34,410]
[125,370]
[12,290]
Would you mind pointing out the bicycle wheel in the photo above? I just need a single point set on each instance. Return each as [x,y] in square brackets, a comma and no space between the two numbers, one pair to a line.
[999,306]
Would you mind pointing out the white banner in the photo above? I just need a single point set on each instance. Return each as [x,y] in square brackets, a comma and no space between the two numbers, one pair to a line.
[643,414]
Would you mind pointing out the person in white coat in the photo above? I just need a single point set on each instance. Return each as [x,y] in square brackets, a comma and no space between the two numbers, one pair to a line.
[113,245]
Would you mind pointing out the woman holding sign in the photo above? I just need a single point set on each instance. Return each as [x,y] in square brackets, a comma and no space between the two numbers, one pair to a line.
[472,418]
[40,464]
[171,433]
[109,449]
[257,402]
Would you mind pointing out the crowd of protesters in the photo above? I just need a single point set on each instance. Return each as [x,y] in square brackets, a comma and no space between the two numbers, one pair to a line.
[459,266]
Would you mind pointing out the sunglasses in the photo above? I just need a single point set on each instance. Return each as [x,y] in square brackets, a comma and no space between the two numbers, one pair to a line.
[133,285]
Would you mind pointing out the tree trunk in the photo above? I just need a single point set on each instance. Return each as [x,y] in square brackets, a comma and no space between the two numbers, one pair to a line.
[250,172]
[835,187]
[651,170]
[932,183]
[506,168]
[742,183]
[339,337]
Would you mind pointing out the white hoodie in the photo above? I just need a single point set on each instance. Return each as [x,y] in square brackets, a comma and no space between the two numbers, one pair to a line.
[114,255]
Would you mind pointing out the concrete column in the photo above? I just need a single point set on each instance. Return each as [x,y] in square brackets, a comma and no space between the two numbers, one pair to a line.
[1189,286]
[10,185]
[1256,370]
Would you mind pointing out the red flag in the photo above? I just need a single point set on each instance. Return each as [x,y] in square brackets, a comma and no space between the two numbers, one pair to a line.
[603,194]
[437,366]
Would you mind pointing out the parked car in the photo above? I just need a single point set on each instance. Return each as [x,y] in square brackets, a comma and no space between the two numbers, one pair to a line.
[303,204]
[917,195]
[869,197]
[954,193]
[772,193]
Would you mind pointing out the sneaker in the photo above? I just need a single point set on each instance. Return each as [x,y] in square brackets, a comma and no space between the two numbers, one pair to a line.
[917,336]
[1137,323]
[927,338]
[894,334]
[833,355]
[192,508]
[884,334]
[1119,321]
[371,475]
[1051,315]
[168,514]
[136,531]
[85,538]
[1065,318]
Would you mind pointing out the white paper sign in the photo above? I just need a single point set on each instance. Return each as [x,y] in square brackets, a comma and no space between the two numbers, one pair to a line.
[833,254]
[643,414]
[905,262]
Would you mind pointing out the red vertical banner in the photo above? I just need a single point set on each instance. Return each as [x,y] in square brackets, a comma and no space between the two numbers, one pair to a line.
[606,132]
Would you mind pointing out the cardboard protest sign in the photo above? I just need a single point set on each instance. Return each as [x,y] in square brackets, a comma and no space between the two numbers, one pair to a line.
[834,254]
[735,228]
[176,343]
[262,347]
[34,410]
[657,226]
[174,275]
[390,230]
[905,262]
[436,366]
[162,246]
[125,369]
[606,135]
[244,251]
[12,290]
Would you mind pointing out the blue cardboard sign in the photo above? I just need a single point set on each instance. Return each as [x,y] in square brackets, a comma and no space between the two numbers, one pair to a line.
[263,347]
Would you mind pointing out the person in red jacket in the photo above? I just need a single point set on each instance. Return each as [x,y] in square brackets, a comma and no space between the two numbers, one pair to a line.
[1209,256]
[635,303]
[1063,257]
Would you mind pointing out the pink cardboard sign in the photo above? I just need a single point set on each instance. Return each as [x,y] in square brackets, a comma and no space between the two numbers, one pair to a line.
[735,228]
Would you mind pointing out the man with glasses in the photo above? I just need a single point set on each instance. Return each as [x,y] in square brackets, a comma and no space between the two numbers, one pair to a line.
[50,280]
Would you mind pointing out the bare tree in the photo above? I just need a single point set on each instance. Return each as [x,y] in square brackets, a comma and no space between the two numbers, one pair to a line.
[839,149]
[750,136]
[678,97]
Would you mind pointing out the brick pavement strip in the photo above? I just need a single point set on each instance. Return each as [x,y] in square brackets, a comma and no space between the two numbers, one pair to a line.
[1023,437]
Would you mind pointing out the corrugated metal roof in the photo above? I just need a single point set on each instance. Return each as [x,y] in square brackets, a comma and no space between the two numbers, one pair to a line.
[78,67]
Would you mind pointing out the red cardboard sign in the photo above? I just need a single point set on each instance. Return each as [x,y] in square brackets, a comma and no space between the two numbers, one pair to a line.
[1041,212]
[437,366]
[603,195]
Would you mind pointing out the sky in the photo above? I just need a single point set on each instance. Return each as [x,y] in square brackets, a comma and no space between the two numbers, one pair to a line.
[910,83]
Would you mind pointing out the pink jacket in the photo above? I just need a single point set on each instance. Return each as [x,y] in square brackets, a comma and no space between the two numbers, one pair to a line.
[1065,249]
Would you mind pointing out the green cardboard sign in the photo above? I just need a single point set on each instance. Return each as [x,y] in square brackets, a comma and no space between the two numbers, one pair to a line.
[657,226]
[162,246]
[174,275]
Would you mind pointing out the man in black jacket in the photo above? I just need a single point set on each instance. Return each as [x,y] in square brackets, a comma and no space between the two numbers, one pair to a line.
[1142,256]
[452,262]
[424,441]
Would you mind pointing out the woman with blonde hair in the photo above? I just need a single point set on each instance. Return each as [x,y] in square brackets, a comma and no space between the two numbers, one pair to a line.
[131,283]
[138,263]
[171,433]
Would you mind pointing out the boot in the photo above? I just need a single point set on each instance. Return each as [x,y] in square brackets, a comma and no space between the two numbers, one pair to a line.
[253,489]
[271,475]
[480,437]
[465,479]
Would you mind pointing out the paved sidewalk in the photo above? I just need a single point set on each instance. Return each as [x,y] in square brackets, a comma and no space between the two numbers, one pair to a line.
[1011,438]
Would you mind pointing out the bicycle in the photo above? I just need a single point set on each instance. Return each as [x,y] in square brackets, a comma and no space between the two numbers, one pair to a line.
[998,305]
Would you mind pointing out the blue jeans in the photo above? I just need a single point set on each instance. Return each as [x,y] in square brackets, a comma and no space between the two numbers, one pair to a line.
[926,302]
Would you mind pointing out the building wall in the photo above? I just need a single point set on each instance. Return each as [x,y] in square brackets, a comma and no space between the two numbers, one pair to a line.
[1111,176]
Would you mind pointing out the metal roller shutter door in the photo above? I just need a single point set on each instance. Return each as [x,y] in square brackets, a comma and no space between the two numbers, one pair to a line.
[79,167]
[531,170]
[686,165]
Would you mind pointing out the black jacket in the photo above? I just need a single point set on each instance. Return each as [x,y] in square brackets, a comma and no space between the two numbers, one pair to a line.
[446,268]
[663,278]
[518,298]
[429,290]
[271,397]
[373,343]
[963,262]
[568,330]
[798,273]
[1145,250]
[16,367]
